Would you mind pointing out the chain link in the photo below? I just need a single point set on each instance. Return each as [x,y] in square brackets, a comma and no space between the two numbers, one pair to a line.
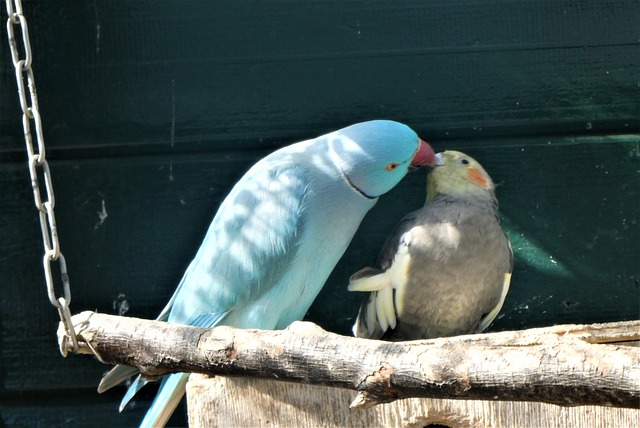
[38,166]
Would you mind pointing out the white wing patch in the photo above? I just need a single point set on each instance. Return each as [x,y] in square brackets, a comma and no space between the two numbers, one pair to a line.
[368,283]
[400,272]
[383,308]
[492,315]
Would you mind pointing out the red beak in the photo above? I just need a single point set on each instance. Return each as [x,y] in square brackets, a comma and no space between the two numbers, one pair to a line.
[424,156]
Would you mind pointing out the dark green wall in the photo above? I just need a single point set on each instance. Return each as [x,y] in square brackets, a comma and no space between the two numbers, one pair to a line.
[152,109]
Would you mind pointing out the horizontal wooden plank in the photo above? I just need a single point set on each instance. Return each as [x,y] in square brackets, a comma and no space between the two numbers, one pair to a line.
[224,402]
[181,75]
[81,408]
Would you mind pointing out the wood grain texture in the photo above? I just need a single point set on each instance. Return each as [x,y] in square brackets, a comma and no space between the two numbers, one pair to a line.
[226,402]
[568,364]
[228,71]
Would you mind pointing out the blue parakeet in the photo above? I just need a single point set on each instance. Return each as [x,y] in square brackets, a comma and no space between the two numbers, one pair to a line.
[278,235]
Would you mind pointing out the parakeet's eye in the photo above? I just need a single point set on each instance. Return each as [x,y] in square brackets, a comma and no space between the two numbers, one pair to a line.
[392,166]
[464,161]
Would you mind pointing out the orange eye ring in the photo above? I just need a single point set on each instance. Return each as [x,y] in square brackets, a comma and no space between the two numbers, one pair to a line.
[392,166]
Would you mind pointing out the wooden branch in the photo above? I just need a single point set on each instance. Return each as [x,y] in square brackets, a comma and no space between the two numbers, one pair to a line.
[568,365]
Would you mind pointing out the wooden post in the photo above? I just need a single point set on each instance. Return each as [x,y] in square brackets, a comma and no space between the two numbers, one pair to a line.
[244,402]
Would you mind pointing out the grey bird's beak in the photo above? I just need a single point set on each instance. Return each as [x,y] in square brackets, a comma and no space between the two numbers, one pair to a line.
[439,159]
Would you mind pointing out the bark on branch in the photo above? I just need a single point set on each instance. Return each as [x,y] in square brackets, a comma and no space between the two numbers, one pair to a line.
[567,365]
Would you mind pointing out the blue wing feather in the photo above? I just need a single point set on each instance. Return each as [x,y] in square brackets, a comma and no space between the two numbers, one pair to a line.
[250,244]
[277,237]
[133,389]
[169,395]
[246,251]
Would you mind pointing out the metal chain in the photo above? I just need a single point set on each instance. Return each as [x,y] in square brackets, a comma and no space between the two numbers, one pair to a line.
[38,165]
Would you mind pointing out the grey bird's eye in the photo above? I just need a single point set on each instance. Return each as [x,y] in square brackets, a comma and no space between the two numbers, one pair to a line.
[464,161]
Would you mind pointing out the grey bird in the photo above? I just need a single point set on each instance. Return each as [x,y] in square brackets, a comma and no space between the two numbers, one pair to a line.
[446,268]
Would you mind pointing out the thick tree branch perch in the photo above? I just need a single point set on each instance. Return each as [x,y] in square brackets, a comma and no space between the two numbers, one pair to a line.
[568,365]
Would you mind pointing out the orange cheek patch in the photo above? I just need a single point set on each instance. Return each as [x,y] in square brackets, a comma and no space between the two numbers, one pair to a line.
[477,177]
